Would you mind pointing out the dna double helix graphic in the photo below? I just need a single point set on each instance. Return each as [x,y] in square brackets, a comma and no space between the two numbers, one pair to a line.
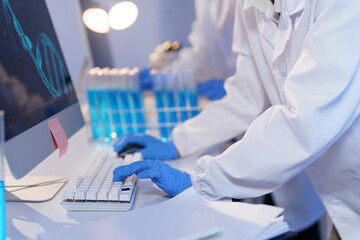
[44,54]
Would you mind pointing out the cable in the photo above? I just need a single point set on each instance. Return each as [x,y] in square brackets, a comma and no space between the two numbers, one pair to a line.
[41,184]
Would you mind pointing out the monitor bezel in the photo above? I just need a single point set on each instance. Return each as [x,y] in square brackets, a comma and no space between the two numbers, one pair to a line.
[28,149]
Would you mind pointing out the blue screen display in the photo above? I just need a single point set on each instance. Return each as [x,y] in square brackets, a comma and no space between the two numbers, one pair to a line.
[34,80]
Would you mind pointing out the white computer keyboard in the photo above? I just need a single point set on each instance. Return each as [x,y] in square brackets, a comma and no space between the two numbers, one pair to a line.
[94,189]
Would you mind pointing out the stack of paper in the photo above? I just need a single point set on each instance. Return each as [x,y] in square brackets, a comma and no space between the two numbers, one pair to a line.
[186,216]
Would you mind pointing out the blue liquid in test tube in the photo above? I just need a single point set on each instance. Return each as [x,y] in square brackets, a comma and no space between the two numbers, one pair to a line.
[126,108]
[115,110]
[138,105]
[170,97]
[103,97]
[160,105]
[182,104]
[94,114]
[193,98]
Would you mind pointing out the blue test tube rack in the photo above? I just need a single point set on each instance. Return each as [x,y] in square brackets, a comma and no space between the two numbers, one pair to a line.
[116,102]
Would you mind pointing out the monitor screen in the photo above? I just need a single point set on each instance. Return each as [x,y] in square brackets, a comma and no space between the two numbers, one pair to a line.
[34,81]
[35,84]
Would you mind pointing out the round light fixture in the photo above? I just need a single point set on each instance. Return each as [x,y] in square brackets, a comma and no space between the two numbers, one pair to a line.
[96,19]
[122,15]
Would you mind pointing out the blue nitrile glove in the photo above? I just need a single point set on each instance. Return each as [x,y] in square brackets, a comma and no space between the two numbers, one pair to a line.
[146,82]
[170,180]
[212,89]
[153,147]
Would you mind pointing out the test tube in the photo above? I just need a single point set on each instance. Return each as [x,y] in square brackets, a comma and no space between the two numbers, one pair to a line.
[125,99]
[120,86]
[170,98]
[159,80]
[93,103]
[2,178]
[192,94]
[105,105]
[137,100]
[181,97]
[115,103]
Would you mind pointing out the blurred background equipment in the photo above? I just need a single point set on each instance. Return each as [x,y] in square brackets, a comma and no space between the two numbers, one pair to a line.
[118,104]
[164,54]
[119,16]
[122,15]
[96,19]
[160,24]
[133,36]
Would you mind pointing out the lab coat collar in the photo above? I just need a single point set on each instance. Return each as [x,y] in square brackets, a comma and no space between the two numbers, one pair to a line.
[289,7]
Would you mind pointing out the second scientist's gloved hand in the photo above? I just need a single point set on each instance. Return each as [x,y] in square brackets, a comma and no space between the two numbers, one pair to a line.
[170,180]
[146,82]
[153,147]
[212,89]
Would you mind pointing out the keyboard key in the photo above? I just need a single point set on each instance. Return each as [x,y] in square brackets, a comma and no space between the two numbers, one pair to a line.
[130,181]
[80,195]
[125,195]
[68,194]
[96,185]
[114,194]
[91,195]
[118,184]
[103,194]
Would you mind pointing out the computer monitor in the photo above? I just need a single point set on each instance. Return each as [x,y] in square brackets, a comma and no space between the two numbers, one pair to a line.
[35,84]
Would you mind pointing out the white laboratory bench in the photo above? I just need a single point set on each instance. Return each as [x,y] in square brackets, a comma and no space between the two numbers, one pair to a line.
[27,220]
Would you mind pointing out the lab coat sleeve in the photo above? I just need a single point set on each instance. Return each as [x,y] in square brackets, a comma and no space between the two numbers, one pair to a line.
[228,117]
[322,93]
[210,55]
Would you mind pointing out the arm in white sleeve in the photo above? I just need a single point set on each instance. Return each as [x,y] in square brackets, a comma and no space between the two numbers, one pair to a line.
[210,55]
[322,93]
[228,117]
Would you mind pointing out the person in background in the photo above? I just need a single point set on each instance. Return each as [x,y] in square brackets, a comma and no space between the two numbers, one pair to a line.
[297,104]
[209,59]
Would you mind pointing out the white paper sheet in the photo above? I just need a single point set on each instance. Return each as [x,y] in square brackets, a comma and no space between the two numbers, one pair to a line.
[181,216]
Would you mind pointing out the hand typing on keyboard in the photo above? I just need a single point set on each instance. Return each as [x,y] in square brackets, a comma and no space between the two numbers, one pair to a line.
[94,189]
[170,180]
[153,148]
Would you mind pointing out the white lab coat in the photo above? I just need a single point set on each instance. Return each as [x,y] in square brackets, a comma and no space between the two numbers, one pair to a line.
[295,94]
[210,55]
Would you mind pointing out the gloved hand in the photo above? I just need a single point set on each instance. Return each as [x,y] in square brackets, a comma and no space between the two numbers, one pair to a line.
[153,148]
[146,82]
[170,180]
[212,89]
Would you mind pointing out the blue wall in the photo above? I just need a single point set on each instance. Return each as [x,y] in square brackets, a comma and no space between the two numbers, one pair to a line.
[158,21]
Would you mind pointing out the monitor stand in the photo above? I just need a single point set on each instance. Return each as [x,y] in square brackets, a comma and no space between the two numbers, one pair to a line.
[33,188]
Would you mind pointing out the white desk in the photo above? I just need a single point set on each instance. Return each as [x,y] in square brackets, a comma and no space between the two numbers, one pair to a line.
[27,220]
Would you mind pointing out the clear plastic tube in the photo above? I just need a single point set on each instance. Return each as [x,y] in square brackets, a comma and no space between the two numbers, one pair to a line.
[115,103]
[159,80]
[137,99]
[2,186]
[192,94]
[181,97]
[170,98]
[105,105]
[93,109]
[125,99]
